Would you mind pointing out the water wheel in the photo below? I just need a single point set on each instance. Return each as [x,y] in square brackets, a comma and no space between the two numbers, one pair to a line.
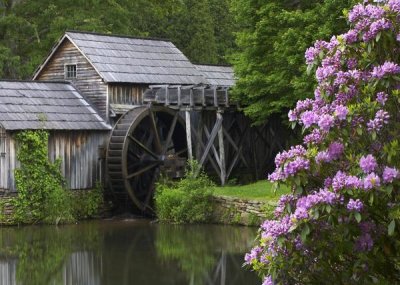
[145,142]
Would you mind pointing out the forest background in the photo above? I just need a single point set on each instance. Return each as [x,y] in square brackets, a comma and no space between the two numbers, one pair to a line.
[264,40]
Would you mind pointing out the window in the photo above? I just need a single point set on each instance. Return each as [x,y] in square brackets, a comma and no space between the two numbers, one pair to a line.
[70,71]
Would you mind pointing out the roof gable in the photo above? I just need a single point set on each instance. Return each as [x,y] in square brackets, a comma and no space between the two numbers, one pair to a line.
[46,105]
[136,60]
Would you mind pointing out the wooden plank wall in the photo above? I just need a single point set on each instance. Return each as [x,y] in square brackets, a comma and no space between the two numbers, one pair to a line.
[8,163]
[131,94]
[80,154]
[88,81]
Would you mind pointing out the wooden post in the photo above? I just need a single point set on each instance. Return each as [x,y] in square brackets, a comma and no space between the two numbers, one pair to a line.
[215,96]
[188,134]
[221,148]
[226,97]
[166,95]
[179,95]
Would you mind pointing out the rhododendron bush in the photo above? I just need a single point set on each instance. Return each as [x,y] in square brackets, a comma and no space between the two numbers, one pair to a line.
[341,223]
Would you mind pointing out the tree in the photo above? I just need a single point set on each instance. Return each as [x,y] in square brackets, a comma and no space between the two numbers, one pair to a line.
[341,224]
[272,39]
[28,29]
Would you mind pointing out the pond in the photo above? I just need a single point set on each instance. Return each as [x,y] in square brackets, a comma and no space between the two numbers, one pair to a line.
[125,252]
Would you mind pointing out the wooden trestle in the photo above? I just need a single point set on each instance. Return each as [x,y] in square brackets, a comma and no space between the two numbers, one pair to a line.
[218,135]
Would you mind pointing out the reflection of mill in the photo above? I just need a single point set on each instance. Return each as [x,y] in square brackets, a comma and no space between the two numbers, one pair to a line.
[126,252]
[219,276]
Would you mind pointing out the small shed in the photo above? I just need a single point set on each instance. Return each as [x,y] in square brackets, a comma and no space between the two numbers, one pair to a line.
[77,132]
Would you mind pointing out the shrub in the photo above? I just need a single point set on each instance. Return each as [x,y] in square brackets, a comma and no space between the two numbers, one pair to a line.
[86,204]
[341,223]
[41,196]
[186,201]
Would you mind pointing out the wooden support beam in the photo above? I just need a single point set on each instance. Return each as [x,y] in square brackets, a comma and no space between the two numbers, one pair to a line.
[188,134]
[202,146]
[216,155]
[191,99]
[213,135]
[226,97]
[203,96]
[166,95]
[238,146]
[179,95]
[215,97]
[221,149]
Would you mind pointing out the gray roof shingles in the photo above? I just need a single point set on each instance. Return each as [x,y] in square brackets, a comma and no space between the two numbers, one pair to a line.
[46,105]
[134,60]
[217,74]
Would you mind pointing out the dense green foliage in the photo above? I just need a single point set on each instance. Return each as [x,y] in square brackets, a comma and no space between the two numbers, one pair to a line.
[272,39]
[41,196]
[202,29]
[87,204]
[186,201]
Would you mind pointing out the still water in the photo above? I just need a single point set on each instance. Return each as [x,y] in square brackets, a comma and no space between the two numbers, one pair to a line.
[125,252]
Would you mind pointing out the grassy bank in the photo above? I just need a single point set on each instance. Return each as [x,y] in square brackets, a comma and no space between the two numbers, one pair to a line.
[260,191]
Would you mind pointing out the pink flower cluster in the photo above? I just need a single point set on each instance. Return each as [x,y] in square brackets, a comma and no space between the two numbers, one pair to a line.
[305,203]
[381,118]
[355,205]
[288,163]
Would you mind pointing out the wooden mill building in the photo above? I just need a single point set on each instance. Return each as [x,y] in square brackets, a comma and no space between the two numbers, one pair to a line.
[121,110]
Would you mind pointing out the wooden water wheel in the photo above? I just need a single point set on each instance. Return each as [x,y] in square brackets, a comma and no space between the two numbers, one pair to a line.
[145,142]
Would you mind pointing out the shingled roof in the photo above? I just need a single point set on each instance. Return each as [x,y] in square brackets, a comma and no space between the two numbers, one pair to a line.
[47,105]
[217,74]
[135,60]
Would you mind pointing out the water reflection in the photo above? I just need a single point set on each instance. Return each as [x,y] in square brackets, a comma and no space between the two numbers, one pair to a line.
[125,252]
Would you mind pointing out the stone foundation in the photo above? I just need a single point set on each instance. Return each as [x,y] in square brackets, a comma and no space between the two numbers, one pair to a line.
[228,210]
[7,208]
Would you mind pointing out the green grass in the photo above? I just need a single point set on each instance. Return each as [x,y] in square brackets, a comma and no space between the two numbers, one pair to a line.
[261,191]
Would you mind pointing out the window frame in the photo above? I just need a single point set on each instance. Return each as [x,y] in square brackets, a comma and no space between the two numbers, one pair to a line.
[68,72]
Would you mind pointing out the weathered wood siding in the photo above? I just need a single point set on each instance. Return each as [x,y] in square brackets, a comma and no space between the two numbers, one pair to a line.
[80,154]
[126,94]
[87,81]
[8,162]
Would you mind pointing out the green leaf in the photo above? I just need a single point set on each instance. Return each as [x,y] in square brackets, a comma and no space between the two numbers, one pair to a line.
[378,37]
[357,215]
[359,131]
[371,199]
[389,189]
[391,227]
[328,209]
[305,232]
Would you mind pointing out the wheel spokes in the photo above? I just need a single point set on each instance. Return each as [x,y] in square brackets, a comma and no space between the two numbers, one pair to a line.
[155,130]
[143,170]
[170,133]
[143,147]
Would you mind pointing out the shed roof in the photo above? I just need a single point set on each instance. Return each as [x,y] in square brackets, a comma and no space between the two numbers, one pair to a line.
[47,105]
[136,60]
[217,74]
